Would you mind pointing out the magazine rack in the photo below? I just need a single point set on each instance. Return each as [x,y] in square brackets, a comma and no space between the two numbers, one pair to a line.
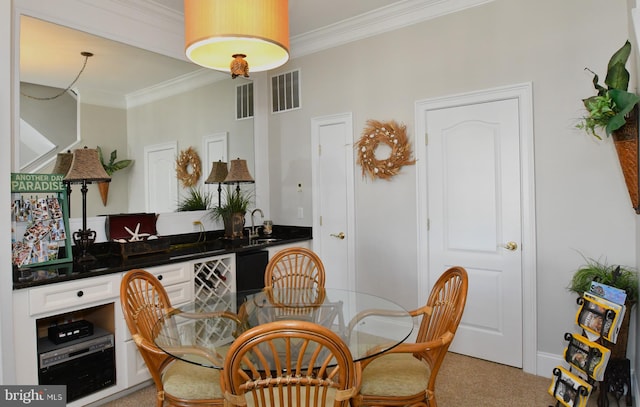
[590,360]
[566,390]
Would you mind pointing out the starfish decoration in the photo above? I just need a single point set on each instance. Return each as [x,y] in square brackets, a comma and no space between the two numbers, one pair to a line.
[135,236]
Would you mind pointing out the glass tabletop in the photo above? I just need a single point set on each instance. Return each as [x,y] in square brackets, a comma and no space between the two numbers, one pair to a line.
[202,331]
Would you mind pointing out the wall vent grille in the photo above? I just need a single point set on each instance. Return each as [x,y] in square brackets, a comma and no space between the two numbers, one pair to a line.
[285,91]
[244,101]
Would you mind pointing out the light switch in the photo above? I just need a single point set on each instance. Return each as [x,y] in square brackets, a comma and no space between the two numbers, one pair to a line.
[300,212]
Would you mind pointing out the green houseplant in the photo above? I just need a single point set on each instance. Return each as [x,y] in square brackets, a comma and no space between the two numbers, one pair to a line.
[110,167]
[624,278]
[621,277]
[232,212]
[196,200]
[607,110]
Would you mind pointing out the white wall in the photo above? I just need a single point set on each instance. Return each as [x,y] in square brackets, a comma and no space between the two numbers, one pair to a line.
[582,203]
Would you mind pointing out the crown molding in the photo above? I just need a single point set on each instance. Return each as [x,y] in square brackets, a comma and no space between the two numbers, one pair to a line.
[184,83]
[384,19]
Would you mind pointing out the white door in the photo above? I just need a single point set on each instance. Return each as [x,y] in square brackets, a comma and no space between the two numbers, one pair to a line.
[475,220]
[160,181]
[333,220]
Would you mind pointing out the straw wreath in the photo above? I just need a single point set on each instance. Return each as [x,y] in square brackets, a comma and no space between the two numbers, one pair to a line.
[392,134]
[188,158]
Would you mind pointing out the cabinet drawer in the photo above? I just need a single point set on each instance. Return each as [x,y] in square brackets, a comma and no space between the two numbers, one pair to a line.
[180,293]
[63,296]
[172,273]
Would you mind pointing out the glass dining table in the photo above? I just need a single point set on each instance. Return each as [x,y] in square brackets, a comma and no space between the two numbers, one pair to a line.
[201,332]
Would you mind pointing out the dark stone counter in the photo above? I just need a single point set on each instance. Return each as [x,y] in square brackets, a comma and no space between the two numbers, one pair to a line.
[184,247]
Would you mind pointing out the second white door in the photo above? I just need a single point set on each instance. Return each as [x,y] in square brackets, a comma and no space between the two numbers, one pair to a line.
[473,182]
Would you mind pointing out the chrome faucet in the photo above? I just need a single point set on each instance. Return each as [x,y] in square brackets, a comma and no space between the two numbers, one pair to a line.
[254,233]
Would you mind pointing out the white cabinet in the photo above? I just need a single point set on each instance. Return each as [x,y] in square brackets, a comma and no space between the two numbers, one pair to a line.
[94,299]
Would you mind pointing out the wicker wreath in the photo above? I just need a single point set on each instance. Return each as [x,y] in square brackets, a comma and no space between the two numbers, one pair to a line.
[391,134]
[188,159]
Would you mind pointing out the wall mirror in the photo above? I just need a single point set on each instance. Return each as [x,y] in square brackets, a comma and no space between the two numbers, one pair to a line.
[127,99]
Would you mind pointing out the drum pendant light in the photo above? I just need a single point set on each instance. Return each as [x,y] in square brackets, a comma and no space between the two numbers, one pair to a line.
[218,32]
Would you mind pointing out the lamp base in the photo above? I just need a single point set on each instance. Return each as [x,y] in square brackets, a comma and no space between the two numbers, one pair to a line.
[83,239]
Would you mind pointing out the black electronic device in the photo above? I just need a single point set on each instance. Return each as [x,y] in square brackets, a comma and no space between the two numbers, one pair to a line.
[70,331]
[84,365]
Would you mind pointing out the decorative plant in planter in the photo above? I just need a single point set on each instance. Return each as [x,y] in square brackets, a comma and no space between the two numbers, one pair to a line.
[196,200]
[110,167]
[615,110]
[232,212]
[624,278]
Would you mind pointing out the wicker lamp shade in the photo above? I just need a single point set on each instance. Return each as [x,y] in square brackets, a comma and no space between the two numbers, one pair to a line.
[86,166]
[63,163]
[239,172]
[218,173]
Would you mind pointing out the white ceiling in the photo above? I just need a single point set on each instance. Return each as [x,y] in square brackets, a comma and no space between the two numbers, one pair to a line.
[50,53]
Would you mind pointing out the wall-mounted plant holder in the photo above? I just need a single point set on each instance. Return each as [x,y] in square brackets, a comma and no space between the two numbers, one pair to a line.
[626,141]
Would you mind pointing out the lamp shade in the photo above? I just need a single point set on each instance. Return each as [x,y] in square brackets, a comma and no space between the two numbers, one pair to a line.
[238,172]
[63,163]
[216,30]
[86,166]
[218,173]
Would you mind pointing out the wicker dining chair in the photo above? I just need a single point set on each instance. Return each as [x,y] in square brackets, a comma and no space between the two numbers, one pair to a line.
[178,383]
[289,363]
[294,267]
[406,375]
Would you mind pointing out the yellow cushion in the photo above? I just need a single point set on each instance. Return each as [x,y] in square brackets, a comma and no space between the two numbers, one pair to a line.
[189,381]
[396,375]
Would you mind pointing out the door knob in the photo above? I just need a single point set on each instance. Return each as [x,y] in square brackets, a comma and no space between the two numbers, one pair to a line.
[510,246]
[339,235]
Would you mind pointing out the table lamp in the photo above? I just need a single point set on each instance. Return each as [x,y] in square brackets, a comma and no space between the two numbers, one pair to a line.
[85,169]
[239,172]
[218,174]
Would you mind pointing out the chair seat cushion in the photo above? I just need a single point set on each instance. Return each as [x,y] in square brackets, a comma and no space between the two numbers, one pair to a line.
[395,375]
[188,381]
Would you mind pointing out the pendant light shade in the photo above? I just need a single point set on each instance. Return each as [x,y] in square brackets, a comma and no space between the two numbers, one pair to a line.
[218,30]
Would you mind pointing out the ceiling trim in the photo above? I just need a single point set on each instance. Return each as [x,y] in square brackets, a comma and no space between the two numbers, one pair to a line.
[175,86]
[384,19]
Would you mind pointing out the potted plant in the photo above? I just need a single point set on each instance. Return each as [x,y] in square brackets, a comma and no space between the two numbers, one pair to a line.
[614,110]
[622,277]
[195,200]
[110,167]
[608,109]
[232,212]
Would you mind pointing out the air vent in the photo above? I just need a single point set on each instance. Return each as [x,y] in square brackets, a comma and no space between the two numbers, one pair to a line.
[285,91]
[244,101]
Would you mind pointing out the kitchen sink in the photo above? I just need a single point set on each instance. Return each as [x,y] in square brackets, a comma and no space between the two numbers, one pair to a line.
[266,240]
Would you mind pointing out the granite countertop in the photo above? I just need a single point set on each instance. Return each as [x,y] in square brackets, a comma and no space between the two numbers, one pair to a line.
[185,247]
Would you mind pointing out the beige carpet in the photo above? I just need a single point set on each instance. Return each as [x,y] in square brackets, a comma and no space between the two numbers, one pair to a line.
[462,382]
